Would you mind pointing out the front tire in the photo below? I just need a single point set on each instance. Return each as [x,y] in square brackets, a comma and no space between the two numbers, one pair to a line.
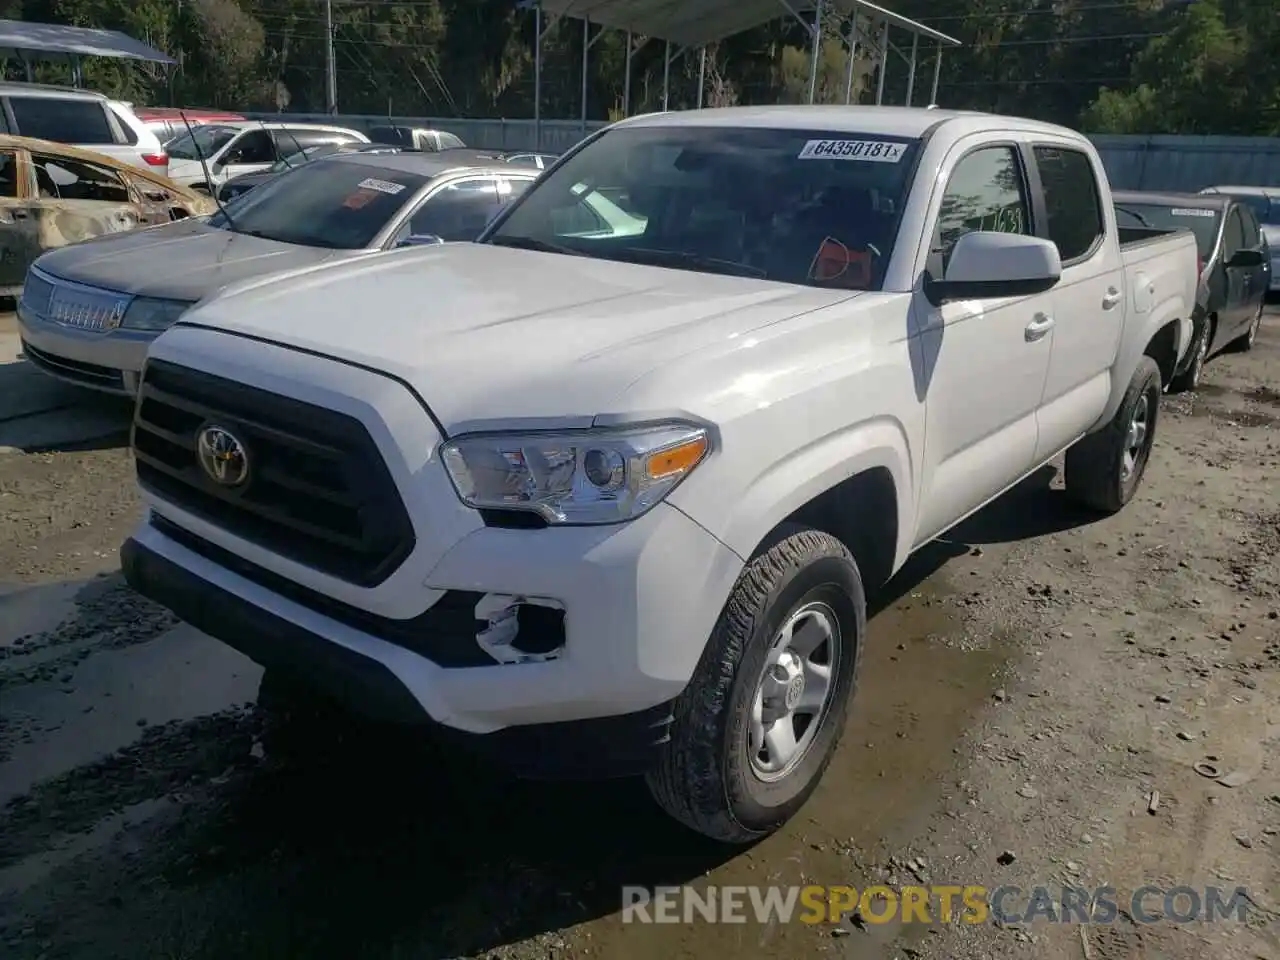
[1104,469]
[760,721]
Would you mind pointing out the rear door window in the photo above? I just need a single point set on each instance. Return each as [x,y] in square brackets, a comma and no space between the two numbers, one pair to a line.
[62,120]
[62,178]
[1072,202]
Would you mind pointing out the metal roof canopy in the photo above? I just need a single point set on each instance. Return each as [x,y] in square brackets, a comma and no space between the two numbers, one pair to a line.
[696,23]
[73,42]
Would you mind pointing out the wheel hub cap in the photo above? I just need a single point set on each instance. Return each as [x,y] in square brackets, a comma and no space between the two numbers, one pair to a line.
[1135,438]
[794,692]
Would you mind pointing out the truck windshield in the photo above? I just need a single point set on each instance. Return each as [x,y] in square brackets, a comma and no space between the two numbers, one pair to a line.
[1202,221]
[805,207]
[339,205]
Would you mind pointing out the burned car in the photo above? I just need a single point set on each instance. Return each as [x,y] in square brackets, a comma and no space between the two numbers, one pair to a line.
[52,195]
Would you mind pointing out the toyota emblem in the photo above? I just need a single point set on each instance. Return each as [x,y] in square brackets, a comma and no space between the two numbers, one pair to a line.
[222,456]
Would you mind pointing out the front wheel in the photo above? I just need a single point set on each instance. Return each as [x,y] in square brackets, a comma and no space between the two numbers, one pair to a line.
[1104,469]
[760,720]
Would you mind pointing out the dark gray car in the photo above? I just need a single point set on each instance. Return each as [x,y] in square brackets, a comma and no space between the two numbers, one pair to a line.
[1235,268]
[89,311]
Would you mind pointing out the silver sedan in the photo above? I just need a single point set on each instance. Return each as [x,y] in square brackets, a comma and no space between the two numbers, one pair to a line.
[89,312]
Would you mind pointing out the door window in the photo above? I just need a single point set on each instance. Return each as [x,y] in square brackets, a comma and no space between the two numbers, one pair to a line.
[459,211]
[986,192]
[1072,203]
[61,178]
[8,175]
[1252,232]
[256,146]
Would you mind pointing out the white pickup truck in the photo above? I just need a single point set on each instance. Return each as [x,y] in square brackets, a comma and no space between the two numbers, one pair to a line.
[604,495]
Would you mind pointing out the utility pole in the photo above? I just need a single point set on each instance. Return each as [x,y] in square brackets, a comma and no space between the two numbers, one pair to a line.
[331,75]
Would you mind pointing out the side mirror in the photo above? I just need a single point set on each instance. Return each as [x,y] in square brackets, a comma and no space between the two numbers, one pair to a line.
[1246,258]
[420,240]
[987,265]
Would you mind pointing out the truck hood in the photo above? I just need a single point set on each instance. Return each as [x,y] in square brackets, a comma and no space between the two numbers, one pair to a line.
[183,261]
[489,334]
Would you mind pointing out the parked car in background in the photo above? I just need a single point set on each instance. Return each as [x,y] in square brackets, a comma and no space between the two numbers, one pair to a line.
[170,122]
[52,195]
[1234,268]
[88,313]
[234,187]
[1265,204]
[81,118]
[608,505]
[232,149]
[415,138]
[539,160]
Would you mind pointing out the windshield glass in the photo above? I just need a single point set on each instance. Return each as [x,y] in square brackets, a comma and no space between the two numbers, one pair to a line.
[793,206]
[339,205]
[1160,216]
[209,138]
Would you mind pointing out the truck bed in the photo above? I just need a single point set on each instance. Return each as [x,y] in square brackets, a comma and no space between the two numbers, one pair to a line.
[1137,236]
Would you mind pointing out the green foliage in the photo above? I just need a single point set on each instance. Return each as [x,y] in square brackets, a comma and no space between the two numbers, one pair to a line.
[1129,66]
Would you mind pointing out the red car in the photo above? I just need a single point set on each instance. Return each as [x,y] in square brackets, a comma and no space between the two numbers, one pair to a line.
[167,122]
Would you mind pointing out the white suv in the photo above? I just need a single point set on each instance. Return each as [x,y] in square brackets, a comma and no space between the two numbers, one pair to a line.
[82,119]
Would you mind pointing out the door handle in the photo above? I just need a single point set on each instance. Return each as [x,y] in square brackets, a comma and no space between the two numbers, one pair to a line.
[19,214]
[1111,299]
[1040,325]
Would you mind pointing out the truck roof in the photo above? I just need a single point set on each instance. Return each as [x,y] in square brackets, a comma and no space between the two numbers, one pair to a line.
[885,121]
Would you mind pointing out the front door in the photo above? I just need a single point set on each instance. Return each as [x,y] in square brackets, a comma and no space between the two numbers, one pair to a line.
[1088,302]
[1239,279]
[77,201]
[982,363]
[250,152]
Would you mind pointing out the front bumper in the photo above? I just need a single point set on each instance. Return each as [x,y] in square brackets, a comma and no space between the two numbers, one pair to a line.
[616,746]
[639,600]
[101,360]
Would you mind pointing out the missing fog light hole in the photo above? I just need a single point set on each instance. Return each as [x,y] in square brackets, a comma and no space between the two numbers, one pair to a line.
[514,629]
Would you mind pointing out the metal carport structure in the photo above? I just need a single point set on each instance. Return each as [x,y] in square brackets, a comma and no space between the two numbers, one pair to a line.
[693,24]
[72,42]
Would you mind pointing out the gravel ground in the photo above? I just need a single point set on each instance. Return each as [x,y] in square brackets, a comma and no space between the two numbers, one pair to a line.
[1029,684]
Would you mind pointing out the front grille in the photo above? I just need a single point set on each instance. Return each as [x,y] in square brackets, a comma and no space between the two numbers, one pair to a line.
[318,491]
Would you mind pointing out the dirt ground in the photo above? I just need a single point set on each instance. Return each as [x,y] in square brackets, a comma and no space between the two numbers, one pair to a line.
[1029,685]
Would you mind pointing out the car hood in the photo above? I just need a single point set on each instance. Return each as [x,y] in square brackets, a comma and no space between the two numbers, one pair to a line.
[183,261]
[486,334]
[180,169]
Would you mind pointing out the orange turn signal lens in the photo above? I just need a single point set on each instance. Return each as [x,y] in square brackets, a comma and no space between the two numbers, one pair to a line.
[676,460]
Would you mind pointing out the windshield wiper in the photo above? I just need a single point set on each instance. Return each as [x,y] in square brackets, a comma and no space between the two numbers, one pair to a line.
[691,261]
[533,243]
[1136,215]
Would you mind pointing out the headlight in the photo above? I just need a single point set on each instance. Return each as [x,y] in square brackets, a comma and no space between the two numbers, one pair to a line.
[150,313]
[577,477]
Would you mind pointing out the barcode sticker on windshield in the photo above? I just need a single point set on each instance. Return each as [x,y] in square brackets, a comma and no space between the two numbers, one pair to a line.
[382,186]
[1193,213]
[874,151]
